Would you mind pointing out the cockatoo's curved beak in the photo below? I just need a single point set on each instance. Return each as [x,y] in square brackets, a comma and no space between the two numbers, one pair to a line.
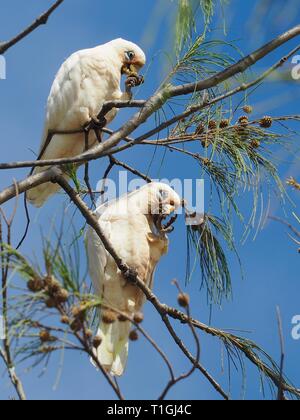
[132,68]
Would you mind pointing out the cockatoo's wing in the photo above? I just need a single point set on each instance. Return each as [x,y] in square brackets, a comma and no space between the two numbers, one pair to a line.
[84,82]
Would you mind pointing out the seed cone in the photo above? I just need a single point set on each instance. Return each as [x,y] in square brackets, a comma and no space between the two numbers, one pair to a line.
[266,122]
[133,336]
[138,318]
[97,342]
[62,296]
[45,336]
[109,316]
[76,325]
[183,300]
[212,125]
[248,109]
[35,285]
[89,334]
[50,303]
[244,120]
[65,320]
[79,313]
[224,123]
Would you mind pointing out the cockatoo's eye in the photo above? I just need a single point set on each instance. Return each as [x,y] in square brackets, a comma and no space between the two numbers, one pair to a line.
[163,195]
[129,55]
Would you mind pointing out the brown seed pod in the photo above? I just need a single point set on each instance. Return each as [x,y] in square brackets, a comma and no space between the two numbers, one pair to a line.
[224,123]
[248,109]
[109,317]
[62,296]
[48,280]
[97,342]
[138,317]
[244,120]
[53,285]
[89,334]
[76,325]
[50,303]
[65,320]
[266,122]
[35,285]
[79,312]
[183,300]
[133,336]
[200,129]
[212,125]
[45,336]
[255,144]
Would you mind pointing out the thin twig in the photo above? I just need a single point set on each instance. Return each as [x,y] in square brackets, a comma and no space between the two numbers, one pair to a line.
[42,20]
[175,381]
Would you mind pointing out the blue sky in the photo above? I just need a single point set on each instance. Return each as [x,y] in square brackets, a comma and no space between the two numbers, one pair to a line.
[270,263]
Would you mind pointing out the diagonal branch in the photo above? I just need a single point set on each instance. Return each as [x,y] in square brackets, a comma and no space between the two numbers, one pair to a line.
[156,102]
[42,20]
[25,185]
[14,378]
[238,67]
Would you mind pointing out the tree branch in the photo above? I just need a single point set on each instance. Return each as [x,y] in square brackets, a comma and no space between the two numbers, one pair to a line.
[42,20]
[155,102]
[237,68]
[27,184]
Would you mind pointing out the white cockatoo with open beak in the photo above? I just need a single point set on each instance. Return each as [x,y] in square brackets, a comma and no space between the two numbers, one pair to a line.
[136,225]
[85,81]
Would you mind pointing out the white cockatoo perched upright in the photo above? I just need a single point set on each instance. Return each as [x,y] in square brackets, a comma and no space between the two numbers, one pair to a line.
[134,227]
[86,80]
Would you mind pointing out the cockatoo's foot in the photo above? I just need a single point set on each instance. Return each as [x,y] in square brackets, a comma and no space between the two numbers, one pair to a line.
[167,227]
[96,124]
[130,275]
[133,80]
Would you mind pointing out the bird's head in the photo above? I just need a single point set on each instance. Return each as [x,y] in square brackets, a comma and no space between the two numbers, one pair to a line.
[132,58]
[162,202]
[162,199]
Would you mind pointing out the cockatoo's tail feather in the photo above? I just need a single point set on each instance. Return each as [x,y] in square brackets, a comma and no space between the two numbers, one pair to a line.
[113,351]
[39,195]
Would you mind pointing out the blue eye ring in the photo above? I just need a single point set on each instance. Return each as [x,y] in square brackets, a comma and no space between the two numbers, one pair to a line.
[129,55]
